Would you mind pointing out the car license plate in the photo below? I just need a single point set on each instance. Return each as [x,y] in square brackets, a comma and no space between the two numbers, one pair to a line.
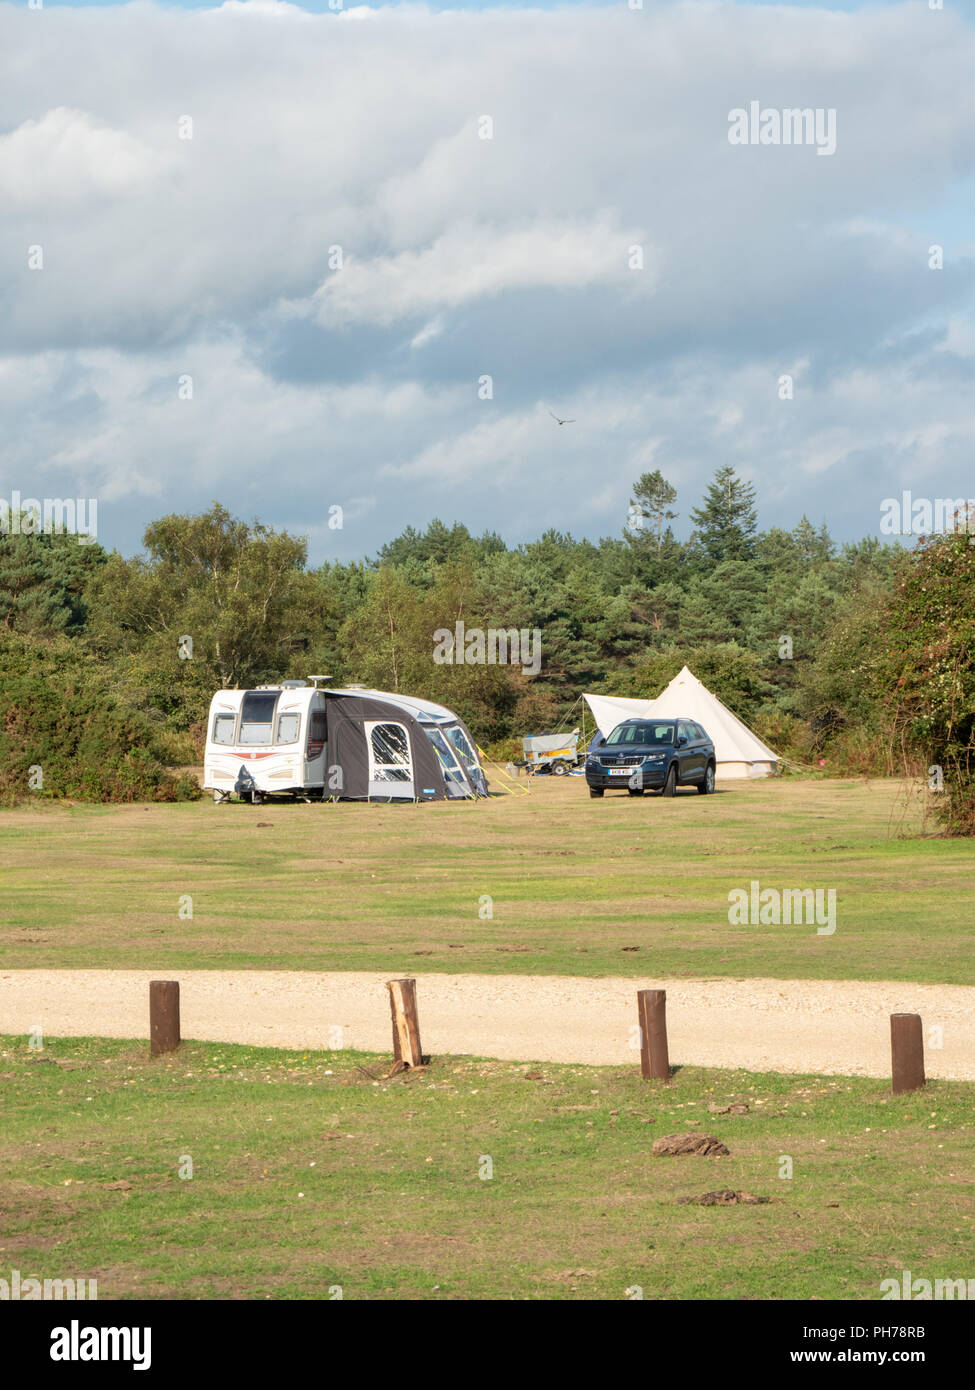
[621,771]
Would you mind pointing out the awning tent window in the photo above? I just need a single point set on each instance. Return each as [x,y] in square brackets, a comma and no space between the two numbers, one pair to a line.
[461,744]
[448,759]
[389,753]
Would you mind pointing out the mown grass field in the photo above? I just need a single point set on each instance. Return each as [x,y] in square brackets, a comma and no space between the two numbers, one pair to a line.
[312,1170]
[574,884]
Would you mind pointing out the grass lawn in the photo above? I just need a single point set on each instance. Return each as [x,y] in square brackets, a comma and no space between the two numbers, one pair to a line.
[572,882]
[311,1170]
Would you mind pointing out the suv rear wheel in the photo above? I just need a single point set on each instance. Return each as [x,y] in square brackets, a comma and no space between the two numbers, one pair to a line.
[670,786]
[707,786]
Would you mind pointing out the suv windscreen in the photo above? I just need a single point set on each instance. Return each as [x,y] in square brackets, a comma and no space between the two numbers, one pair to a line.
[647,735]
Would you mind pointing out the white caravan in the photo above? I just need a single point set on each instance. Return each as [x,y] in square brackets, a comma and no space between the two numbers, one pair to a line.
[308,742]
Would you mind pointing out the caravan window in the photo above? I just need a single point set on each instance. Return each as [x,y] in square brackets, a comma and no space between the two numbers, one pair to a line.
[390,746]
[317,733]
[223,728]
[288,728]
[256,716]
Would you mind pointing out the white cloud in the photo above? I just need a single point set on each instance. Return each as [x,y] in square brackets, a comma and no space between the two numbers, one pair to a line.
[463,256]
[427,333]
[469,263]
[68,157]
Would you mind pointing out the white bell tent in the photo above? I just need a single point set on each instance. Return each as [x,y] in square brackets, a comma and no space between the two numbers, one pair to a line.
[739,752]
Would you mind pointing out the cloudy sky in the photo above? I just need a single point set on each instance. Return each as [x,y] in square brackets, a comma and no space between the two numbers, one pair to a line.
[297,306]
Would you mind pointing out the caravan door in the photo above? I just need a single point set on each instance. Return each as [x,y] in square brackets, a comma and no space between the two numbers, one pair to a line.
[390,759]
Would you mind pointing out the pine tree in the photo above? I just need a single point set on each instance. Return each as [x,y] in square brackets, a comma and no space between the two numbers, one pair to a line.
[42,580]
[805,536]
[727,522]
[652,499]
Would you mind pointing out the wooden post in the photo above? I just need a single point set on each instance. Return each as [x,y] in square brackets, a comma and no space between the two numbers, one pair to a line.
[163,1016]
[406,1024]
[652,1011]
[906,1053]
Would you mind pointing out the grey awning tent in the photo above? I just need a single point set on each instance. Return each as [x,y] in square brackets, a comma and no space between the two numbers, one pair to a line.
[380,747]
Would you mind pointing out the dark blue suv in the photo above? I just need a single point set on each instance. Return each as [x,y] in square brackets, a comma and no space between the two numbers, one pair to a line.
[655,755]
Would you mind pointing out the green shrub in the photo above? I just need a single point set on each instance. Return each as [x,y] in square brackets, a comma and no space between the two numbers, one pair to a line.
[60,712]
[954,807]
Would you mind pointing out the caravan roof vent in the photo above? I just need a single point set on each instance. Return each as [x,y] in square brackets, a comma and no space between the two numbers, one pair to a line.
[293,685]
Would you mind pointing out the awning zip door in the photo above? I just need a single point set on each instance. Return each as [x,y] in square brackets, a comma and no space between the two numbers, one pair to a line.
[390,758]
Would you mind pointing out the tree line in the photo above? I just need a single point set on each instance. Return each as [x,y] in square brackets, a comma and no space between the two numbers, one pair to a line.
[839,656]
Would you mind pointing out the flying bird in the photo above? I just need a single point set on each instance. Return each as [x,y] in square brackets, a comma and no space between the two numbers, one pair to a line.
[561,422]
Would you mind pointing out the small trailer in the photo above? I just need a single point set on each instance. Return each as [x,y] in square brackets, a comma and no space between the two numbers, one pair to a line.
[550,752]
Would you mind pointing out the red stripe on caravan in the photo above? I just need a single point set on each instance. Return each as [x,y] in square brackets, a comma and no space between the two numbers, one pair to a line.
[247,756]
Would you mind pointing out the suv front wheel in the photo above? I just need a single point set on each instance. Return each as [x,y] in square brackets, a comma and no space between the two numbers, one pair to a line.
[670,786]
[595,791]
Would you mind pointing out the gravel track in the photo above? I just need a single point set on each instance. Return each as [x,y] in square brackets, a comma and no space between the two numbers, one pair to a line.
[830,1027]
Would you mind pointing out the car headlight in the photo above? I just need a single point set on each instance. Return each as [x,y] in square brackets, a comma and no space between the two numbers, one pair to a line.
[654,758]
